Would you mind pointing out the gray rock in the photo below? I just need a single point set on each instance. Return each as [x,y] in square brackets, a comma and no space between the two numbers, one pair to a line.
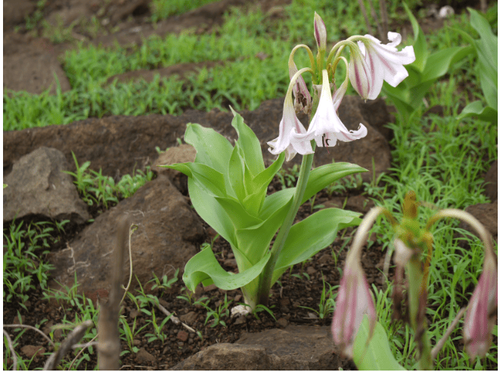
[293,348]
[167,230]
[37,185]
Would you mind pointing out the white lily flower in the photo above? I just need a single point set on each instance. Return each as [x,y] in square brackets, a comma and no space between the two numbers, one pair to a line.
[326,127]
[285,142]
[377,62]
[303,100]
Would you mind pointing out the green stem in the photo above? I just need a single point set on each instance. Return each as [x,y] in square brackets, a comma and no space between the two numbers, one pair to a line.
[279,243]
[417,295]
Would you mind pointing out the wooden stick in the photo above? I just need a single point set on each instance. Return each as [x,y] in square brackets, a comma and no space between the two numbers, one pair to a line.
[109,338]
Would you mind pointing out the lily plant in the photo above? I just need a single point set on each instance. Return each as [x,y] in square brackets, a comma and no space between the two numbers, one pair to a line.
[413,257]
[228,184]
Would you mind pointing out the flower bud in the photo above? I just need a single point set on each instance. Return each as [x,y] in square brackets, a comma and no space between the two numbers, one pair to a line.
[319,32]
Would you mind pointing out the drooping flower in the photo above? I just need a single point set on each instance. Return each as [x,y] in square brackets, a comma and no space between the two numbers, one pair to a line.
[376,62]
[482,310]
[319,32]
[285,142]
[326,127]
[353,302]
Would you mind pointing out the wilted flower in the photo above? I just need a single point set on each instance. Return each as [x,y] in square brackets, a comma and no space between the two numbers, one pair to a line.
[319,32]
[482,310]
[285,142]
[303,101]
[326,127]
[353,302]
[375,62]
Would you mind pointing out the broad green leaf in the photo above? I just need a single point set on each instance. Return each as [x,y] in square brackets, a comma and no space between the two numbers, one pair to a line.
[238,214]
[327,174]
[212,148]
[207,177]
[210,210]
[203,267]
[420,44]
[249,144]
[377,356]
[476,109]
[254,241]
[265,177]
[308,237]
[236,173]
[439,63]
[404,108]
[319,178]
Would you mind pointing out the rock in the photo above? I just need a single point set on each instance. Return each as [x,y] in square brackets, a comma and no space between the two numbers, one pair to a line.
[282,322]
[31,351]
[167,230]
[491,180]
[189,318]
[487,214]
[296,347]
[182,336]
[104,141]
[143,356]
[180,154]
[359,203]
[32,69]
[37,185]
[226,356]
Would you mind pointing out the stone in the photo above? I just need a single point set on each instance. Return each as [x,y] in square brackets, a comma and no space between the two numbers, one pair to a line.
[226,357]
[38,186]
[104,141]
[143,356]
[168,231]
[179,154]
[491,180]
[189,318]
[182,336]
[359,203]
[293,348]
[31,351]
[487,214]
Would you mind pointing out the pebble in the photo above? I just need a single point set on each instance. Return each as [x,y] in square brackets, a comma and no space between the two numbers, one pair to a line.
[143,356]
[183,336]
[282,322]
[32,351]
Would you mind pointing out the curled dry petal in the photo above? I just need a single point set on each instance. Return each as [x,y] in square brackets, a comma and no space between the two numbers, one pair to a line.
[285,142]
[303,100]
[353,302]
[482,311]
[376,62]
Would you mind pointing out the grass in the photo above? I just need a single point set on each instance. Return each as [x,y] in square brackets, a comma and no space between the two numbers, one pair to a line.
[439,157]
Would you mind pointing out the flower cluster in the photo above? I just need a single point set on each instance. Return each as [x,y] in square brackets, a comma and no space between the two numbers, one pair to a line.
[370,64]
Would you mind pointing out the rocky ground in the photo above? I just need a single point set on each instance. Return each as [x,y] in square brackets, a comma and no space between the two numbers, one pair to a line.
[169,231]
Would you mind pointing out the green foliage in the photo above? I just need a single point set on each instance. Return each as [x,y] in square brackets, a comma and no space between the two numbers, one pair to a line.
[94,187]
[162,9]
[486,49]
[228,189]
[24,268]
